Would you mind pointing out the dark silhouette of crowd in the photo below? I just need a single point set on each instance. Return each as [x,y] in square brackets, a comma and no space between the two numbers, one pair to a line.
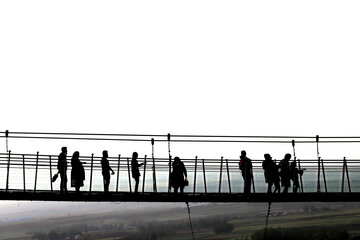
[284,172]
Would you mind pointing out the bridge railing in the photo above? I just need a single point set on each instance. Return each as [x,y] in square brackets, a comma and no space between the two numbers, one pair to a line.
[33,172]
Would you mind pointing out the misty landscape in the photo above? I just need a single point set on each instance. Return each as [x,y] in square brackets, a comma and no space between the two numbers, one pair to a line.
[58,221]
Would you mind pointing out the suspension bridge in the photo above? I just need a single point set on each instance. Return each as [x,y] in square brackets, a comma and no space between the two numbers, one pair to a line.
[28,176]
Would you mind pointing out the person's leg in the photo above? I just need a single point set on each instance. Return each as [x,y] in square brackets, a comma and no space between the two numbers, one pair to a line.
[106,184]
[286,185]
[62,182]
[176,189]
[296,185]
[136,184]
[270,186]
[65,182]
[247,188]
[277,186]
[181,189]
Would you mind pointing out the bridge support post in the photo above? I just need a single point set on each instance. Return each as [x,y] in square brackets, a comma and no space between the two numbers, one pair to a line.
[23,157]
[36,170]
[195,173]
[168,138]
[318,178]
[143,183]
[228,175]
[301,180]
[91,171]
[154,169]
[221,165]
[345,171]
[8,172]
[117,174]
[347,176]
[51,183]
[323,170]
[203,163]
[128,166]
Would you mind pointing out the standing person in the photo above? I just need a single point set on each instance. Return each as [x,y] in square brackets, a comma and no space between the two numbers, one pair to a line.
[77,172]
[62,168]
[135,170]
[105,166]
[177,175]
[285,172]
[294,175]
[271,172]
[245,166]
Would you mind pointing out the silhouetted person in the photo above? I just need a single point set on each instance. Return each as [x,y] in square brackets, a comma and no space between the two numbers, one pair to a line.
[246,171]
[135,170]
[285,172]
[271,172]
[62,168]
[77,172]
[294,175]
[105,166]
[177,175]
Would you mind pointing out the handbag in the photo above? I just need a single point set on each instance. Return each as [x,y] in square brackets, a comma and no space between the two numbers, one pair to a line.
[186,182]
[55,177]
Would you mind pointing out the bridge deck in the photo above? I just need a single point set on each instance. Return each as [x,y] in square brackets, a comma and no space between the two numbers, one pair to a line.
[166,197]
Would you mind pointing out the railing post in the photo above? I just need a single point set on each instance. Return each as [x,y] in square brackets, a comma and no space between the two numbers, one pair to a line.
[154,169]
[221,164]
[118,172]
[36,170]
[51,183]
[203,163]
[345,170]
[301,180]
[168,138]
[7,143]
[228,175]
[343,176]
[128,166]
[195,172]
[8,172]
[317,150]
[24,172]
[347,175]
[91,171]
[143,185]
[318,178]
[323,170]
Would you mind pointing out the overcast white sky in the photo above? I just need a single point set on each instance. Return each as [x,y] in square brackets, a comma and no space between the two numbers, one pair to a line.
[184,67]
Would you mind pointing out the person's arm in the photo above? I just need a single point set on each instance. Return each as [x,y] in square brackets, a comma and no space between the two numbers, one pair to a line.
[112,171]
[185,172]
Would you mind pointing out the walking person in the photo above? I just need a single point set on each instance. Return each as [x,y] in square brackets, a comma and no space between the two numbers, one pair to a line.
[105,167]
[135,170]
[285,172]
[177,175]
[62,168]
[245,166]
[271,172]
[294,175]
[77,172]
